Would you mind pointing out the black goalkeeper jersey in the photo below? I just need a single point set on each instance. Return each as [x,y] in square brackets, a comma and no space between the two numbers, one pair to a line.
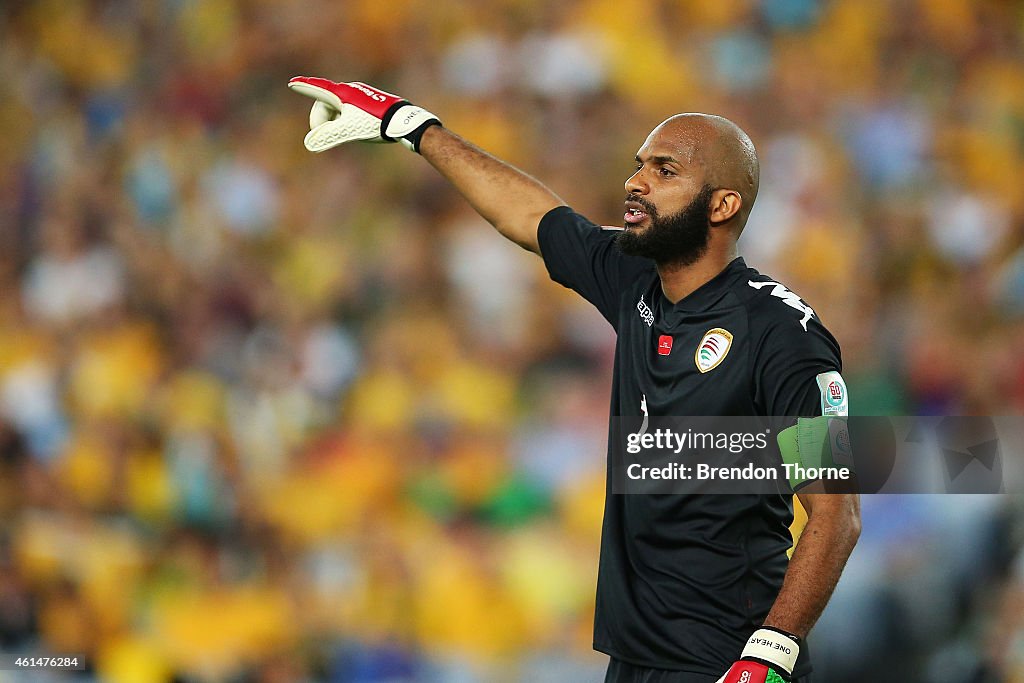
[685,579]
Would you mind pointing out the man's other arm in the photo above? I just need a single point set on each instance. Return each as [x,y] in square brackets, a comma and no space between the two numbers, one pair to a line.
[833,527]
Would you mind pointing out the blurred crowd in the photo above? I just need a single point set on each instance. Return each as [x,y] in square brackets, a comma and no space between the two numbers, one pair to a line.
[269,416]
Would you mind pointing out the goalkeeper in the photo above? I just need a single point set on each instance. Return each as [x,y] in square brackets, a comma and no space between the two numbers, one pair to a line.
[691,589]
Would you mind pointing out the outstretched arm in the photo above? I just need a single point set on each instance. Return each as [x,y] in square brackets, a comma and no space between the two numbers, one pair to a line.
[510,200]
[507,198]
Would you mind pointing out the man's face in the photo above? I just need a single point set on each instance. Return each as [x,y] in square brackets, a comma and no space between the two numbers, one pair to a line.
[667,206]
[678,240]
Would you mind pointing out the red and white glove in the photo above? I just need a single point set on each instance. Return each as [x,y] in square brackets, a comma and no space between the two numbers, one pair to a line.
[352,112]
[768,657]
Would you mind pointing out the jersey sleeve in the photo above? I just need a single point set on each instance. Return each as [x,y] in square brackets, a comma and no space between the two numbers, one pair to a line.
[582,256]
[797,372]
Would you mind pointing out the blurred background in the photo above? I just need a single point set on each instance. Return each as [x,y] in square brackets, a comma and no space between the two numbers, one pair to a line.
[269,416]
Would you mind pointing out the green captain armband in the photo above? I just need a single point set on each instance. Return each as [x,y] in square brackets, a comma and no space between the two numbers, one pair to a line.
[816,448]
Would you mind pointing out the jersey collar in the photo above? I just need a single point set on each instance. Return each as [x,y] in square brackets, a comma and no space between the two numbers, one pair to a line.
[709,293]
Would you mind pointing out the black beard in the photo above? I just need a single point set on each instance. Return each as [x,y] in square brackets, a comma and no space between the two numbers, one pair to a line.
[677,240]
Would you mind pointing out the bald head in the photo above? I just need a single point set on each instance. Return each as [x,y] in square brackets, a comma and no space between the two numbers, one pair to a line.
[719,151]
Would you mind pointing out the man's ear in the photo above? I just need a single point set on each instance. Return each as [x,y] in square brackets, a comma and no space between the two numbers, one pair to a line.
[724,205]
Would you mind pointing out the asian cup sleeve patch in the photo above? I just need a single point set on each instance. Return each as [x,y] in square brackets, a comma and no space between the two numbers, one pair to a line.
[835,399]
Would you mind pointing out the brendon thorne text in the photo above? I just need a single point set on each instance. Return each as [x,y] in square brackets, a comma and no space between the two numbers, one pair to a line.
[705,472]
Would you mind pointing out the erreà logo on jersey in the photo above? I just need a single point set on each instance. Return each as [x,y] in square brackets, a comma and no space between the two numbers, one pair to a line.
[713,348]
[645,311]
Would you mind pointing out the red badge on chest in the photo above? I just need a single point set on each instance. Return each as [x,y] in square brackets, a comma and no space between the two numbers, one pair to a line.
[664,345]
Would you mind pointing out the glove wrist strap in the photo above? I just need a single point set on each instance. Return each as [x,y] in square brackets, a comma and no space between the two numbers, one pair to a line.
[774,647]
[405,122]
[412,140]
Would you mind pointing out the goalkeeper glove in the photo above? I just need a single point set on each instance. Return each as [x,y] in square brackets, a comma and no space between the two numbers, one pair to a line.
[769,657]
[350,112]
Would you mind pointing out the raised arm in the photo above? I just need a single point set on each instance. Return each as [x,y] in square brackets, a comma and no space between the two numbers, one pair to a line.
[510,200]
